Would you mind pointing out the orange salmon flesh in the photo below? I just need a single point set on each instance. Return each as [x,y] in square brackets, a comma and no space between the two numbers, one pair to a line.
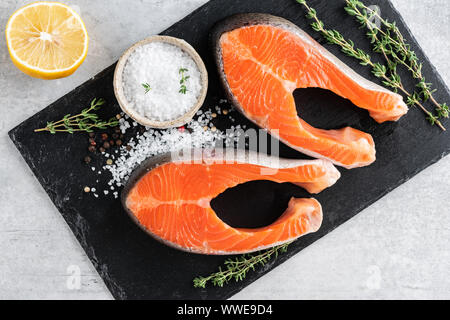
[263,65]
[172,202]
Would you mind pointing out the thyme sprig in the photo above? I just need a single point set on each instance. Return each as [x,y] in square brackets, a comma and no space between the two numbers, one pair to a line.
[147,87]
[184,78]
[391,42]
[86,121]
[238,268]
[379,70]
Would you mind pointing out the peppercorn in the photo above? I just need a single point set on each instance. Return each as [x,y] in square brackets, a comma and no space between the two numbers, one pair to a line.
[117,130]
[106,145]
[104,136]
[225,112]
[87,189]
[128,147]
[111,142]
[119,142]
[121,136]
[109,162]
[102,150]
[91,134]
[115,136]
[87,159]
[92,142]
[118,116]
[92,149]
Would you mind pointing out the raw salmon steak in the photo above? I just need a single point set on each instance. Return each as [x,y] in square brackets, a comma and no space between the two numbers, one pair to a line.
[262,59]
[170,199]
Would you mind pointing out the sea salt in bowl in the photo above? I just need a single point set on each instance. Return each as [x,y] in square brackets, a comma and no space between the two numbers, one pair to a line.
[148,82]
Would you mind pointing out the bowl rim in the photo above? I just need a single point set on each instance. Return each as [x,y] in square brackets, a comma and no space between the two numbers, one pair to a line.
[123,103]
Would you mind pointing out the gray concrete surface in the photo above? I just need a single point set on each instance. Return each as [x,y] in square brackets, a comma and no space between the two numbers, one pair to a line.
[397,248]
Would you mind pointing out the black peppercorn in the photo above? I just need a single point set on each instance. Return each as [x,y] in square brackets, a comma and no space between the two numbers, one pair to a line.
[87,159]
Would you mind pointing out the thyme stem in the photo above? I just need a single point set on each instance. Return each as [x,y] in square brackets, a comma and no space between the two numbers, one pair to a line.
[396,47]
[86,121]
[378,70]
[183,81]
[238,268]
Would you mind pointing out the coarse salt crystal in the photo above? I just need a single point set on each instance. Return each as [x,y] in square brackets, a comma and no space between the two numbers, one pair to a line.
[152,142]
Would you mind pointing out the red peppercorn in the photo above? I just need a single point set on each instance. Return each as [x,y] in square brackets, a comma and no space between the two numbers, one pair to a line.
[181,129]
[104,136]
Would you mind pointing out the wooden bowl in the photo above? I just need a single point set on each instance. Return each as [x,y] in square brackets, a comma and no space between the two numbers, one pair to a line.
[124,105]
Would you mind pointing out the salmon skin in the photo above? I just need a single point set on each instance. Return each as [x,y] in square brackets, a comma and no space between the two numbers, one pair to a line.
[262,59]
[170,199]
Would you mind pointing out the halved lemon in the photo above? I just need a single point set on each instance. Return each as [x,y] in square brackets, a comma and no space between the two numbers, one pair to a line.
[47,40]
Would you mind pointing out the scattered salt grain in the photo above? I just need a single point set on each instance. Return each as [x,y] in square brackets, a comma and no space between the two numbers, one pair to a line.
[124,125]
[199,133]
[154,142]
[158,64]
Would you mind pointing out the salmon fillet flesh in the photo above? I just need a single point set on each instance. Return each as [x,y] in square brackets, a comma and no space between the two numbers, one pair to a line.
[171,200]
[262,59]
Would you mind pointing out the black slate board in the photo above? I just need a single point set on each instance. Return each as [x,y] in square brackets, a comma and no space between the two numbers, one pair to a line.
[133,265]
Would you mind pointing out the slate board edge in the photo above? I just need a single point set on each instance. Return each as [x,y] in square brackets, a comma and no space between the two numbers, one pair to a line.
[114,289]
